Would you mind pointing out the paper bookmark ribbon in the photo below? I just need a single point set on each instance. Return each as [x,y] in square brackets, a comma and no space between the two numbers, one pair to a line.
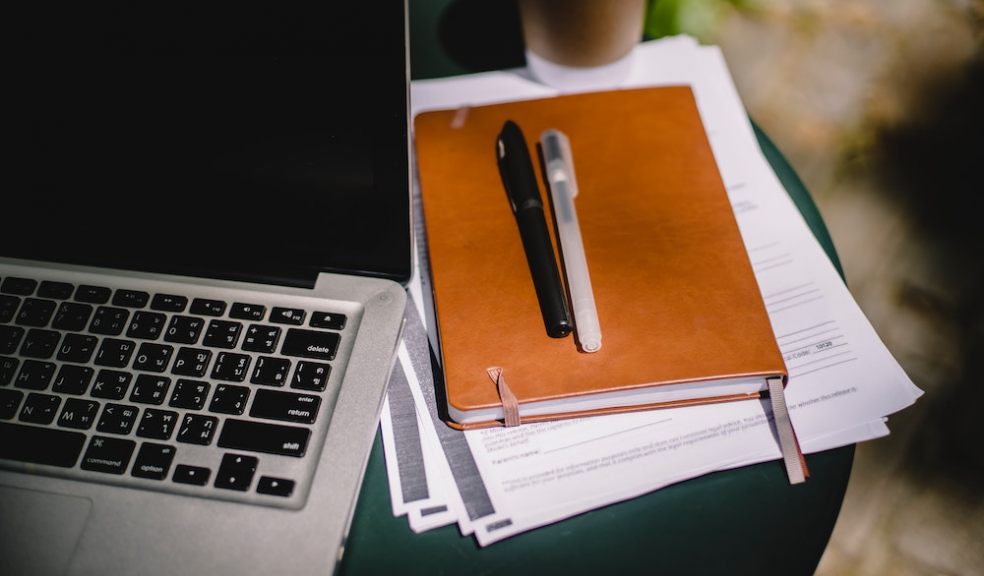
[792,456]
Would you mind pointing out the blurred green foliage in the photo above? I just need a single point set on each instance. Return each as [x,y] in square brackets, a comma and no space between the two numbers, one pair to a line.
[698,18]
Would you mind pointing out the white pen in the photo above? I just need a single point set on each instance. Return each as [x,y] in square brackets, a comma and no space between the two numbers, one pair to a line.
[563,188]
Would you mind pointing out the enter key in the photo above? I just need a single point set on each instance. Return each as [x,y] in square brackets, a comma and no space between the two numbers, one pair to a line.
[286,406]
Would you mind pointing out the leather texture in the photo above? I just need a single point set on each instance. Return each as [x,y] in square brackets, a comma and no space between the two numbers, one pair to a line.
[676,296]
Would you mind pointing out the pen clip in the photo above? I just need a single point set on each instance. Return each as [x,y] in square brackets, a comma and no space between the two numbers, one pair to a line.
[558,160]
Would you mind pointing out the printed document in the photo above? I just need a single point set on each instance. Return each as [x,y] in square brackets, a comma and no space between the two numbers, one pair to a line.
[843,381]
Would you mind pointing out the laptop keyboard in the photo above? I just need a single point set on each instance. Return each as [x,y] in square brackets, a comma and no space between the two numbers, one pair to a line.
[225,398]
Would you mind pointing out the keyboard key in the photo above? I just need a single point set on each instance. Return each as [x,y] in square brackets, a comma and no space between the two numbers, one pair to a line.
[157,424]
[191,361]
[263,437]
[150,389]
[92,294]
[261,338]
[108,455]
[275,486]
[229,399]
[40,408]
[8,307]
[19,286]
[310,344]
[277,405]
[194,475]
[236,472]
[35,375]
[146,325]
[247,311]
[73,379]
[207,307]
[189,394]
[231,367]
[311,376]
[287,316]
[9,403]
[153,357]
[8,367]
[114,353]
[117,419]
[111,384]
[72,316]
[168,303]
[48,446]
[109,321]
[184,329]
[56,290]
[153,461]
[35,312]
[77,348]
[197,429]
[10,337]
[78,414]
[328,320]
[222,334]
[40,343]
[270,371]
[130,298]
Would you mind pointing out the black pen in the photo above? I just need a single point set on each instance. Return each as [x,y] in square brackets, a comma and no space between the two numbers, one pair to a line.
[518,177]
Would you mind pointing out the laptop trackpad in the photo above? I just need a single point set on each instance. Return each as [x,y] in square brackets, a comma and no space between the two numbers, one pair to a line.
[39,530]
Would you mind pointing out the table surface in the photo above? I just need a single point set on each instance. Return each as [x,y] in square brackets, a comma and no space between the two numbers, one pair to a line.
[744,521]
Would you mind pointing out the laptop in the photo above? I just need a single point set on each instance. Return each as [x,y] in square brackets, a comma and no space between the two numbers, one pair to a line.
[204,236]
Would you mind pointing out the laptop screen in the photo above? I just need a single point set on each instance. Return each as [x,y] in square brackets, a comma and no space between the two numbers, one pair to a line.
[252,142]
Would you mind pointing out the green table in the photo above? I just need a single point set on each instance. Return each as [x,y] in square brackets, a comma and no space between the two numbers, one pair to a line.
[744,521]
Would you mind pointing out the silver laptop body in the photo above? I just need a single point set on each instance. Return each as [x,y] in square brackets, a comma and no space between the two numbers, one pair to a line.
[166,416]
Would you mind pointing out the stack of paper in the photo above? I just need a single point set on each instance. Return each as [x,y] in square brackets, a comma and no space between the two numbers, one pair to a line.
[498,482]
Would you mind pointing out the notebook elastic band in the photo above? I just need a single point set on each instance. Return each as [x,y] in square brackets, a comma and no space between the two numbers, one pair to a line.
[460,117]
[510,405]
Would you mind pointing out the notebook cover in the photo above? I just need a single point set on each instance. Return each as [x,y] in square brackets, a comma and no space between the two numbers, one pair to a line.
[676,296]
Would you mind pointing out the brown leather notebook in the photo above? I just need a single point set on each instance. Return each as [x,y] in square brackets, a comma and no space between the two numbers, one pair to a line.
[681,315]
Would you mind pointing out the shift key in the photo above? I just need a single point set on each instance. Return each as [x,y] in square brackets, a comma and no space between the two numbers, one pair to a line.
[261,437]
[310,344]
